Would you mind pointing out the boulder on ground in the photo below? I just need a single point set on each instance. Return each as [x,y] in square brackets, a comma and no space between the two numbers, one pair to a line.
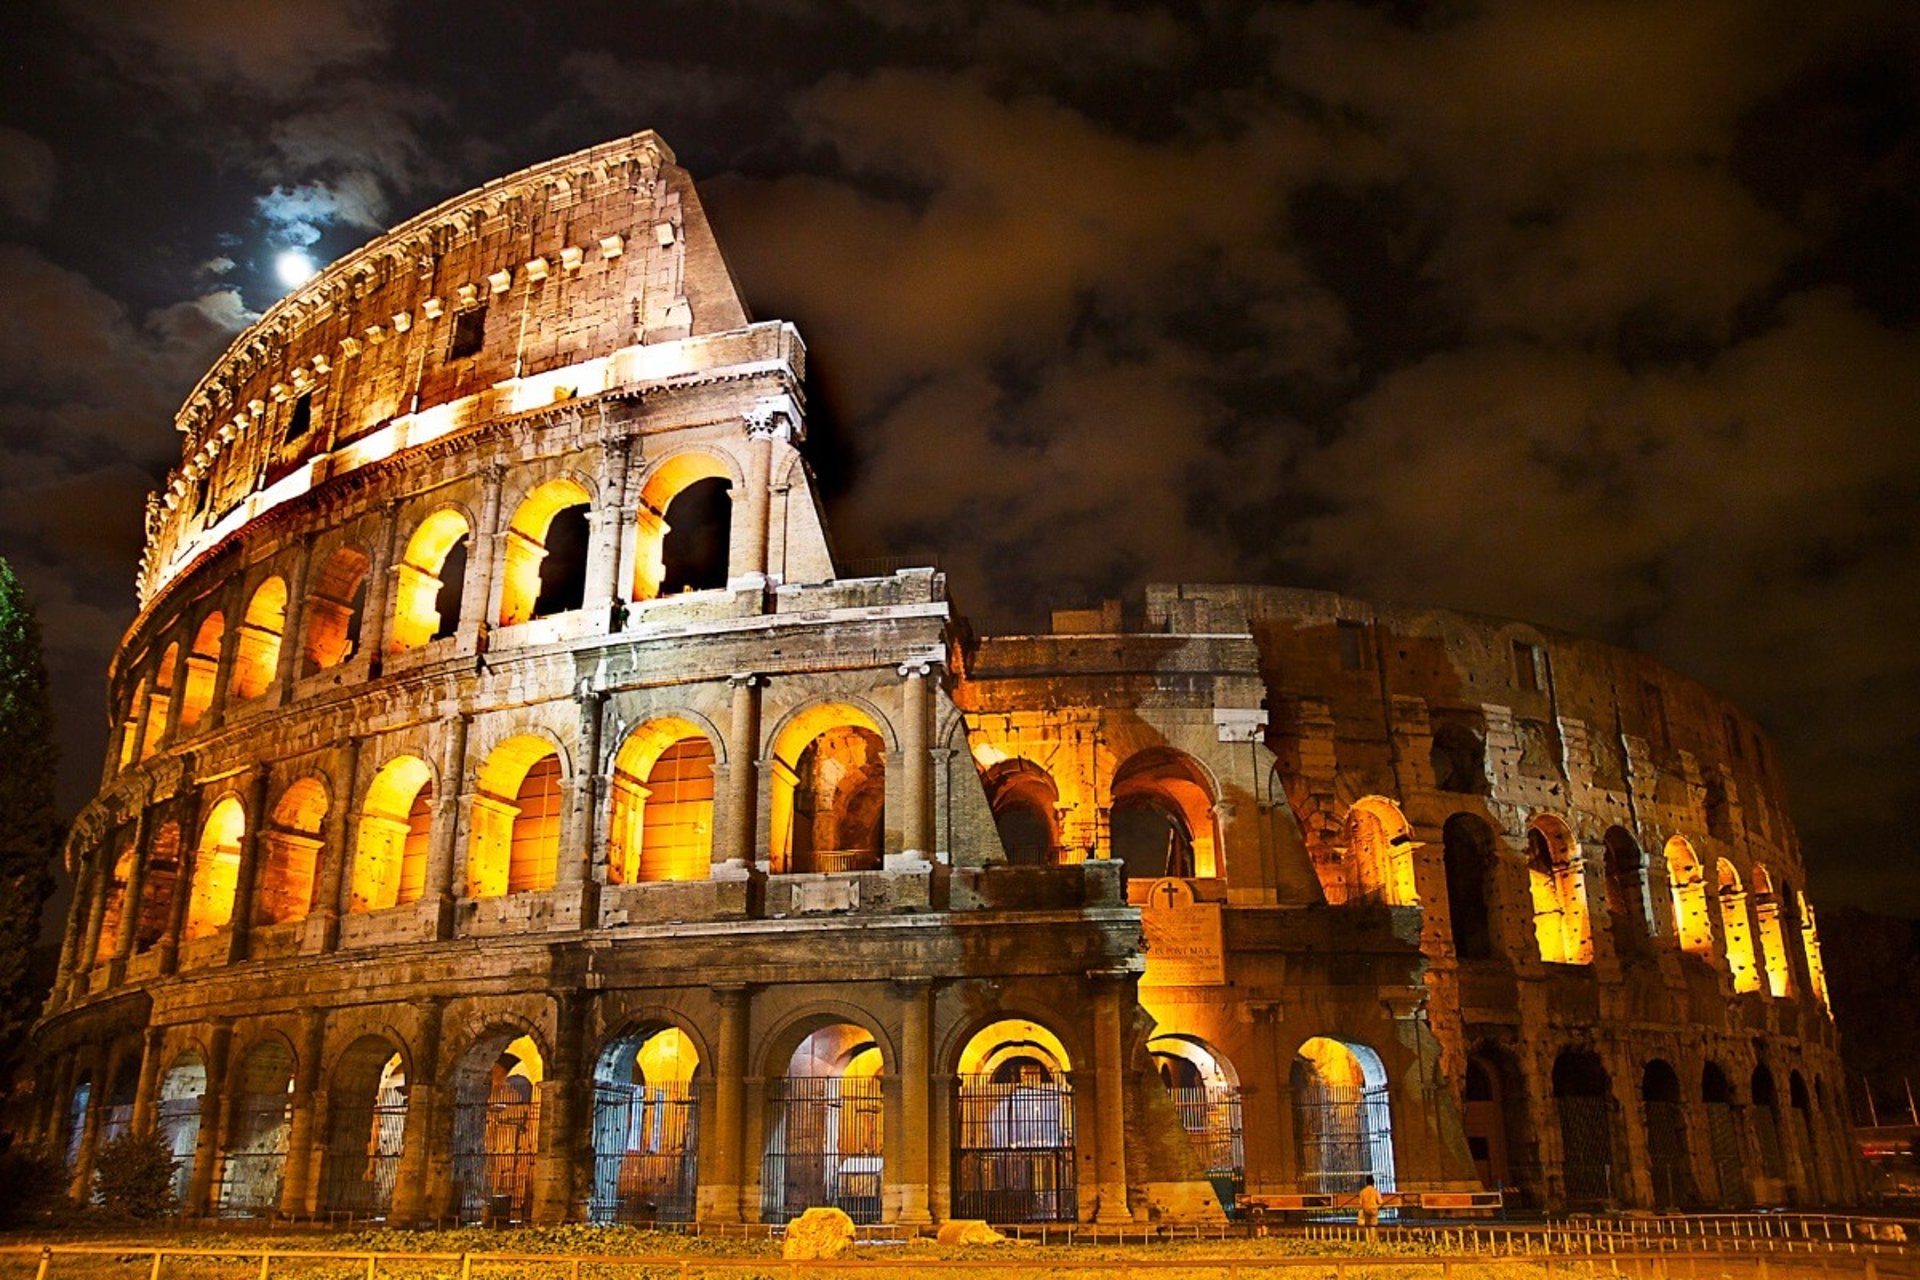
[968,1231]
[818,1233]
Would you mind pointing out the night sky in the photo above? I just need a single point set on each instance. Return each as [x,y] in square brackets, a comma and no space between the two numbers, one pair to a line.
[1603,315]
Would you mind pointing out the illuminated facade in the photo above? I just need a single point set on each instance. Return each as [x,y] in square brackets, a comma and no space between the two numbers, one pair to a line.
[514,811]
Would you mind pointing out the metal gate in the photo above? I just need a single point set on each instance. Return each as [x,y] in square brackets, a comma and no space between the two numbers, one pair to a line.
[364,1141]
[645,1153]
[1211,1116]
[256,1155]
[1667,1154]
[1344,1135]
[1586,1140]
[823,1147]
[493,1149]
[1729,1165]
[177,1124]
[1013,1151]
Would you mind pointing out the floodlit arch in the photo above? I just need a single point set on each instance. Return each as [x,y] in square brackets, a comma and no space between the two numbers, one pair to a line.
[496,1125]
[1736,928]
[829,791]
[333,608]
[1557,882]
[660,562]
[216,868]
[1343,1121]
[396,827]
[1380,847]
[160,701]
[132,723]
[177,1117]
[662,826]
[515,846]
[1469,857]
[824,1140]
[1013,1153]
[429,583]
[1163,821]
[79,1103]
[203,669]
[1626,885]
[543,569]
[1687,880]
[366,1126]
[157,890]
[1773,942]
[114,920]
[1206,1094]
[645,1128]
[256,650]
[292,849]
[256,1132]
[1026,811]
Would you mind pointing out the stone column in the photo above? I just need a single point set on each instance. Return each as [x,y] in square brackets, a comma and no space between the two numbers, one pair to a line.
[171,730]
[251,852]
[151,1045]
[916,1039]
[555,1170]
[1110,1128]
[916,828]
[743,785]
[762,428]
[213,1109]
[169,961]
[235,617]
[480,595]
[721,1178]
[71,939]
[81,1186]
[293,625]
[136,888]
[610,524]
[447,799]
[100,889]
[576,868]
[330,892]
[296,1179]
[413,1199]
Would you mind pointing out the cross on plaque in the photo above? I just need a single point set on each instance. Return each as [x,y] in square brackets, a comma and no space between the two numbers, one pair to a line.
[1171,893]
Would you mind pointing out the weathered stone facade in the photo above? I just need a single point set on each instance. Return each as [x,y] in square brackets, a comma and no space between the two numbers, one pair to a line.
[474,844]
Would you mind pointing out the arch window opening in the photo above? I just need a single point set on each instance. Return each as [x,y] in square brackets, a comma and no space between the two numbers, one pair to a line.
[1723,1137]
[1665,1116]
[824,1145]
[1459,758]
[116,1121]
[1765,1113]
[1343,1122]
[1206,1095]
[160,884]
[114,919]
[1806,1140]
[429,583]
[203,669]
[544,556]
[132,731]
[177,1118]
[366,1129]
[1686,878]
[1627,910]
[396,830]
[1494,1116]
[683,527]
[334,609]
[646,1131]
[829,793]
[516,820]
[1026,812]
[79,1103]
[496,1129]
[1379,857]
[159,702]
[257,1132]
[662,827]
[1467,856]
[1013,1149]
[256,650]
[1557,884]
[1162,821]
[1582,1097]
[1737,930]
[216,869]
[1773,940]
[292,841]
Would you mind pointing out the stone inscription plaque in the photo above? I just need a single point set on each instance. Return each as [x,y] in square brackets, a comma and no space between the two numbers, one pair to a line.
[1183,938]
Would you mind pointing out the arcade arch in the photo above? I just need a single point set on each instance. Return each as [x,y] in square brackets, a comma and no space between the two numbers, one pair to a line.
[1583,1099]
[496,1126]
[515,847]
[256,650]
[1026,812]
[829,791]
[366,1128]
[429,583]
[1557,883]
[256,1133]
[1013,1147]
[1687,881]
[1342,1117]
[1469,858]
[824,1141]
[216,868]
[291,846]
[333,609]
[1163,816]
[1206,1095]
[682,529]
[645,1128]
[395,833]
[662,821]
[543,567]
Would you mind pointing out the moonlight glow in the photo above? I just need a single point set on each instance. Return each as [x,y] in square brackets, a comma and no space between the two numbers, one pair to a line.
[293,267]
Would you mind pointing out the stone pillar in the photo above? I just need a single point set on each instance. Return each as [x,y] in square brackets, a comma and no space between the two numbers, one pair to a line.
[81,1187]
[375,610]
[293,626]
[330,893]
[216,710]
[555,1170]
[1110,1122]
[213,1109]
[130,897]
[916,827]
[577,840]
[762,428]
[743,785]
[71,939]
[413,1199]
[102,889]
[916,1040]
[251,852]
[610,524]
[447,799]
[480,595]
[151,1045]
[721,1181]
[169,961]
[296,1179]
[179,686]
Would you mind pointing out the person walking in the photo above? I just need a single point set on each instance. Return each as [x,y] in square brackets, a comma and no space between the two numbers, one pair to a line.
[1369,1206]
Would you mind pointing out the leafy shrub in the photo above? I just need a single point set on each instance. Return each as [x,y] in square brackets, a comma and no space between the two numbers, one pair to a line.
[133,1176]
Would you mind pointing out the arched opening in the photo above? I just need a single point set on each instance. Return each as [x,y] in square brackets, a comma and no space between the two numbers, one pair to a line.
[1765,1113]
[1380,847]
[824,1143]
[1467,851]
[645,1128]
[1026,812]
[113,920]
[829,792]
[1773,942]
[396,831]
[683,545]
[292,841]
[694,543]
[1459,759]
[1626,889]
[1806,1139]
[1342,1118]
[157,889]
[132,724]
[1582,1095]
[1816,964]
[543,567]
[1687,880]
[203,669]
[1558,886]
[1013,1153]
[1666,1124]
[1163,822]
[1495,1118]
[160,701]
[516,820]
[429,583]
[79,1103]
[496,1128]
[1206,1095]
[216,869]
[366,1128]
[662,826]
[116,1122]
[256,650]
[258,1126]
[177,1117]
[333,610]
[1723,1137]
[1734,927]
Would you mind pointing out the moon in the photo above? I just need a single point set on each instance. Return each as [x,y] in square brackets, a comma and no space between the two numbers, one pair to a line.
[293,267]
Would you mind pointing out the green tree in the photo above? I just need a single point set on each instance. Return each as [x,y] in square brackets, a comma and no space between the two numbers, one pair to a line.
[29,829]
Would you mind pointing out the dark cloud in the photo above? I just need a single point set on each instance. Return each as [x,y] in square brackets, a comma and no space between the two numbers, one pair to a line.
[272,48]
[27,175]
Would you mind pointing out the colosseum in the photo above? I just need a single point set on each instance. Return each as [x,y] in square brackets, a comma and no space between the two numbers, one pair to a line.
[515,812]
